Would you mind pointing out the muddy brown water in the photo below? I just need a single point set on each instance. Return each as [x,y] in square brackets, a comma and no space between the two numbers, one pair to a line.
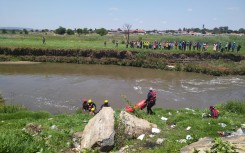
[59,88]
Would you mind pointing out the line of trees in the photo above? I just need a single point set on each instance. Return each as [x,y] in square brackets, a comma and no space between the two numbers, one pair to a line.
[79,31]
[127,27]
[216,30]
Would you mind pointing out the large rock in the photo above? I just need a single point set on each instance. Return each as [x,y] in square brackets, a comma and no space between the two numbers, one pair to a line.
[99,132]
[206,143]
[134,126]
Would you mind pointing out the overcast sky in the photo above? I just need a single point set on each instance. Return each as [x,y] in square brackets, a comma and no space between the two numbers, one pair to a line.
[113,14]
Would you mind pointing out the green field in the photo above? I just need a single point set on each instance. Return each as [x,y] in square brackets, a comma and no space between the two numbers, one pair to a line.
[94,41]
[26,131]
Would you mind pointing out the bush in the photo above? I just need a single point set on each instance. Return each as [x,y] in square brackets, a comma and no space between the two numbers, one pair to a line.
[101,31]
[4,31]
[113,41]
[70,32]
[234,107]
[25,31]
[60,31]
[123,42]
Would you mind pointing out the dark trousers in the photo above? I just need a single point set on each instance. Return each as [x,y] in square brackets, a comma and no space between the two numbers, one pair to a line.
[149,105]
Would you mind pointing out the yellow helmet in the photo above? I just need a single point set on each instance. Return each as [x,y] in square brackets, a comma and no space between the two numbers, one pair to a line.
[90,101]
[106,101]
[92,109]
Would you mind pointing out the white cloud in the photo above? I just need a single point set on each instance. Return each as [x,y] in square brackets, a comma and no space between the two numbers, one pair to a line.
[232,8]
[214,19]
[113,9]
[139,20]
[189,10]
[115,19]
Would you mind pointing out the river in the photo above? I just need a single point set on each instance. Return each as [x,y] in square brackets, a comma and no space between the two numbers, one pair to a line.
[59,88]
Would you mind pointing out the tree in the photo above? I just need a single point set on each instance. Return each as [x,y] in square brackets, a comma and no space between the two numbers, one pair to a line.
[90,30]
[127,28]
[70,32]
[4,31]
[25,31]
[13,32]
[196,30]
[60,30]
[85,31]
[79,31]
[241,30]
[101,31]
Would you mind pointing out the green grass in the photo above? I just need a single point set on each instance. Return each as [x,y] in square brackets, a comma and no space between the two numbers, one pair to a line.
[17,137]
[94,41]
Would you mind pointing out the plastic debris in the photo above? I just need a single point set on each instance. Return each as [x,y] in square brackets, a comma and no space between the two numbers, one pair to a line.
[181,141]
[151,135]
[50,119]
[54,127]
[188,137]
[188,128]
[155,130]
[164,118]
[177,112]
[85,121]
[173,125]
[169,113]
[222,124]
[238,132]
[242,125]
[171,66]
[141,137]
[190,109]
[159,141]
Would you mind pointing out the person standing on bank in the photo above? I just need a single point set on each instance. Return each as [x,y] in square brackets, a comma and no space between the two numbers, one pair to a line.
[151,100]
[44,41]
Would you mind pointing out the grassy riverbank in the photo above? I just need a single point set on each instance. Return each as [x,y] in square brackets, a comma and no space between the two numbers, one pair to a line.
[89,49]
[94,41]
[26,131]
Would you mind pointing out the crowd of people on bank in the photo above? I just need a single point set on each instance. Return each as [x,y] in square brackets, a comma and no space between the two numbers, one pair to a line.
[184,45]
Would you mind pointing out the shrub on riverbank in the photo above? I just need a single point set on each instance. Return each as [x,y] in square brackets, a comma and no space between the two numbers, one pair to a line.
[27,131]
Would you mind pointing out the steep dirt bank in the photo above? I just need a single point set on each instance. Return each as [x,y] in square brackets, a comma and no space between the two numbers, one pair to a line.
[189,56]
